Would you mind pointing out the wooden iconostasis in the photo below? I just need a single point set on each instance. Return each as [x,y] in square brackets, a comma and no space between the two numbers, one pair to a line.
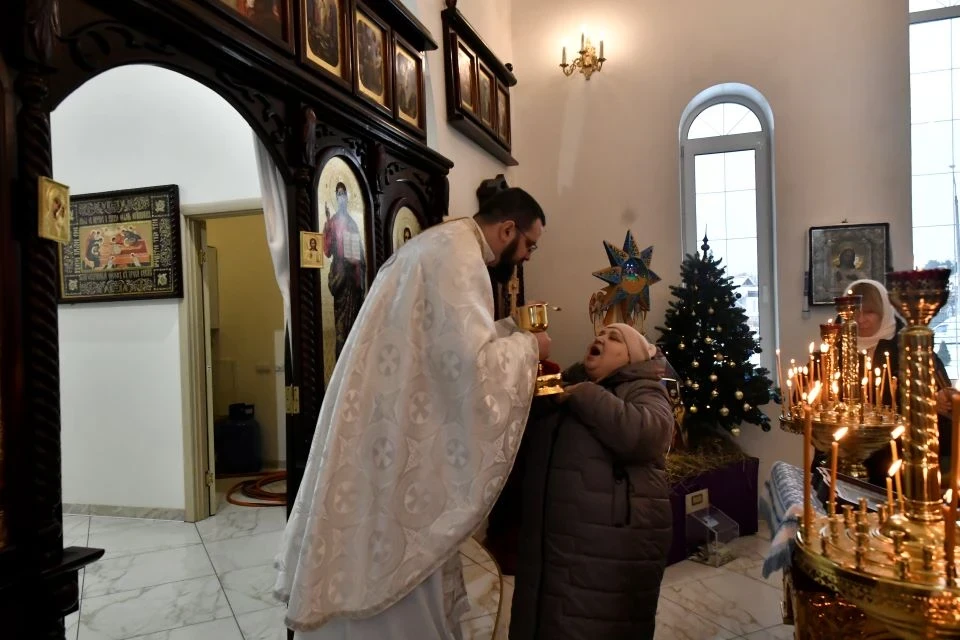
[333,89]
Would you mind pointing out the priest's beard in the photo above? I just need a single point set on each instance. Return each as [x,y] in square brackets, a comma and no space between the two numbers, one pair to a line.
[502,270]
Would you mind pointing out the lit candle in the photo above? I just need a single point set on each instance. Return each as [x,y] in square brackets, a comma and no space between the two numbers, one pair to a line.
[876,393]
[583,44]
[824,351]
[564,55]
[812,367]
[780,377]
[868,374]
[893,393]
[894,473]
[894,436]
[879,381]
[601,46]
[834,455]
[890,493]
[807,463]
[950,525]
[790,391]
[864,397]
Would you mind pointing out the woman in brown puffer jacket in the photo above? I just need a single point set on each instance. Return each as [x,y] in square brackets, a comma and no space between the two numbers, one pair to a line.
[596,525]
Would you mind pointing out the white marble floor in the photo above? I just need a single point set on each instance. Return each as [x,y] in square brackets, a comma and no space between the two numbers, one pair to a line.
[163,580]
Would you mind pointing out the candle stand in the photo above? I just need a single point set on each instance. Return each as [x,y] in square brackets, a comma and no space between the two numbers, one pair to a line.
[897,565]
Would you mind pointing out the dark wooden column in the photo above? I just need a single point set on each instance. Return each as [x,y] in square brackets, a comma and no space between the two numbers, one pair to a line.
[44,573]
[305,311]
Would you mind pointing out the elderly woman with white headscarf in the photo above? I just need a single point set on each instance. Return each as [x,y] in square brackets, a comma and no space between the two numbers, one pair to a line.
[879,325]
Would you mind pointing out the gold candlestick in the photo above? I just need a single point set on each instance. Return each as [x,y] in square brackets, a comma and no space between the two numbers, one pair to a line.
[830,335]
[848,307]
[919,295]
[950,525]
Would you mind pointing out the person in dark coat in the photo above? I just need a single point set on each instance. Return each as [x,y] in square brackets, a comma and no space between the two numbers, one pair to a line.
[596,524]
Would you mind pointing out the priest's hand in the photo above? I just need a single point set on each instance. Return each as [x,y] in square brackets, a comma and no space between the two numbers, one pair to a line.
[543,344]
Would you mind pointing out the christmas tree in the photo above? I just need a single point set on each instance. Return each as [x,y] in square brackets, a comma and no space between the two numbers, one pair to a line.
[708,341]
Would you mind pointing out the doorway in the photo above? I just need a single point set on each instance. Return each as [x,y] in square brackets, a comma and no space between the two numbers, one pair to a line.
[133,436]
[238,322]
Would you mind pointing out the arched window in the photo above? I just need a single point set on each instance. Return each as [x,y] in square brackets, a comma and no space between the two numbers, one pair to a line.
[726,181]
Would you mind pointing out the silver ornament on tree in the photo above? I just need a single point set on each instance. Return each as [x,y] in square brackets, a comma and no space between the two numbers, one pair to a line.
[736,432]
[724,411]
[738,395]
[713,377]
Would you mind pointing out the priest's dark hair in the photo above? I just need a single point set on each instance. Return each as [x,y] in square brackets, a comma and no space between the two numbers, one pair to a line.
[513,204]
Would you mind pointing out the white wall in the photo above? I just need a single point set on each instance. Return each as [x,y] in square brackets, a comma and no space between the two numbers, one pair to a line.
[472,165]
[602,156]
[121,405]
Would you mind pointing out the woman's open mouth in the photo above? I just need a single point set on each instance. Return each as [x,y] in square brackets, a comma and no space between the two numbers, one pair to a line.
[595,350]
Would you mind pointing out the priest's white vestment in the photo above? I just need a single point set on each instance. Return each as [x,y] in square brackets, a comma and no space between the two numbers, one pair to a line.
[418,431]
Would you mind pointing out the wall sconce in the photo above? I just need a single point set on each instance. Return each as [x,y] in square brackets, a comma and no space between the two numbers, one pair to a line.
[587,61]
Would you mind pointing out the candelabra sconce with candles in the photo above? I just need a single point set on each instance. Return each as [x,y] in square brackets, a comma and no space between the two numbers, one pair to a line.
[898,563]
[587,60]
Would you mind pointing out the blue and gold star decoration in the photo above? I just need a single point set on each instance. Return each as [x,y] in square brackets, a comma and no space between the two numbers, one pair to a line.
[629,277]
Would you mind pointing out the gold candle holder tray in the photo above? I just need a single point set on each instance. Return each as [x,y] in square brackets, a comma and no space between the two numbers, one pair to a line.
[901,582]
[549,385]
[863,437]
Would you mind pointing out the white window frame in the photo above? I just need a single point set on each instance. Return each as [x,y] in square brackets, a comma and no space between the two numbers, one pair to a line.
[932,15]
[761,142]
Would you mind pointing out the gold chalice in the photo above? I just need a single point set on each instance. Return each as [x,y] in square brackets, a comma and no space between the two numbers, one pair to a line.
[533,318]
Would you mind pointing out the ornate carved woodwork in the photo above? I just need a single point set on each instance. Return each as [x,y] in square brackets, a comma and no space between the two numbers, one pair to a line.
[465,101]
[47,50]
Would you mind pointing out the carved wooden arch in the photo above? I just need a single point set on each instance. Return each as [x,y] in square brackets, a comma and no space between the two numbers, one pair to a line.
[93,48]
[402,193]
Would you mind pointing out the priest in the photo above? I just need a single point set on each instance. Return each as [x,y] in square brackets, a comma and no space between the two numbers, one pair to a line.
[418,431]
